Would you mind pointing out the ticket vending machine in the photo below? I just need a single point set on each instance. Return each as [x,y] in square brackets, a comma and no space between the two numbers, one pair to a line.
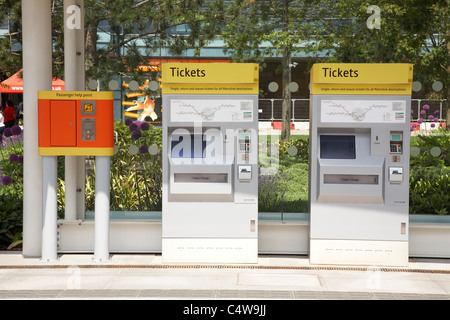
[210,165]
[359,169]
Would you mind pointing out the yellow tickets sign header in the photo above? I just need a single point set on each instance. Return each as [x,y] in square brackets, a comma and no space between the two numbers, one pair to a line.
[362,78]
[210,78]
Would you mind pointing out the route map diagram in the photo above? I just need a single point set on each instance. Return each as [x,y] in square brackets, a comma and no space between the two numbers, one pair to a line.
[211,110]
[362,111]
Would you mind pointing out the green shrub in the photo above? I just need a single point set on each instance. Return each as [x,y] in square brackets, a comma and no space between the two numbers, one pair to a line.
[11,186]
[298,149]
[430,194]
[11,215]
[429,187]
[297,194]
[136,177]
[272,187]
[440,141]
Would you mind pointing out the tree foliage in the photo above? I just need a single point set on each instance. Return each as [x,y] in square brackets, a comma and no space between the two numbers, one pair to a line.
[409,31]
[414,31]
[254,30]
[134,31]
[142,29]
[10,15]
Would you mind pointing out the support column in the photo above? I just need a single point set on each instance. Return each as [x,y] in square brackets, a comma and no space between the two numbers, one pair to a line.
[81,84]
[81,187]
[70,179]
[74,81]
[37,66]
[49,208]
[101,239]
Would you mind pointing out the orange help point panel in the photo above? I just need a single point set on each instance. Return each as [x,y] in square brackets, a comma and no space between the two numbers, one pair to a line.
[63,127]
[76,123]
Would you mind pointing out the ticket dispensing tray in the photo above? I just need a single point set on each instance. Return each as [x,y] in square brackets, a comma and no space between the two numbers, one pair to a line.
[346,181]
[202,176]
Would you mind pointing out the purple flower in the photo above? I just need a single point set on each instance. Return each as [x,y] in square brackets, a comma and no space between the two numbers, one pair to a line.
[13,157]
[430,117]
[20,160]
[436,112]
[143,149]
[144,125]
[426,107]
[136,134]
[128,121]
[133,126]
[420,120]
[412,111]
[423,112]
[7,133]
[16,130]
[436,120]
[432,125]
[6,180]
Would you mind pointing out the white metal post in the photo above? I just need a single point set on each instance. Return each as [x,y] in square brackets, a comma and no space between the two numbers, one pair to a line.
[101,244]
[81,80]
[81,187]
[49,208]
[70,179]
[37,66]
[74,81]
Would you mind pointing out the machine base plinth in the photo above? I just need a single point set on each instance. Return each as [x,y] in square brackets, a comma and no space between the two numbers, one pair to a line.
[224,251]
[359,252]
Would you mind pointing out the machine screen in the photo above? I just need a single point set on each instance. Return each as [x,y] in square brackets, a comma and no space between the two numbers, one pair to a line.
[195,152]
[337,147]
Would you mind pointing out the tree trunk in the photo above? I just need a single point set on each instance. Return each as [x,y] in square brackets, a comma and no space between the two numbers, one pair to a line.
[286,74]
[91,45]
[286,96]
[447,122]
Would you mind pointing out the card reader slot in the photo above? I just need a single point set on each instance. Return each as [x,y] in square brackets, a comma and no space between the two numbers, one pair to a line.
[350,179]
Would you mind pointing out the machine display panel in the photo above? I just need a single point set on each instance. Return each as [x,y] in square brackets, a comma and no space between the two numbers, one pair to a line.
[337,147]
[180,148]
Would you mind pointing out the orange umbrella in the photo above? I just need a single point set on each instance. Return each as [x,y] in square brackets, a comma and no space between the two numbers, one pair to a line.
[14,84]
